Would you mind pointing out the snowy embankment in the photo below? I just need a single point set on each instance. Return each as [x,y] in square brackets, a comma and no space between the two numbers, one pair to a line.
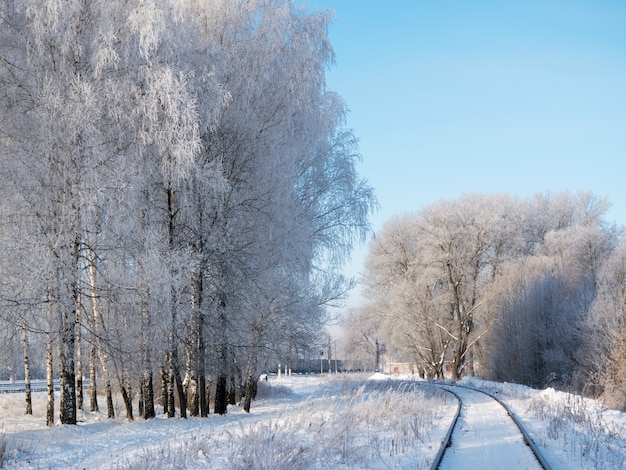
[337,421]
[573,432]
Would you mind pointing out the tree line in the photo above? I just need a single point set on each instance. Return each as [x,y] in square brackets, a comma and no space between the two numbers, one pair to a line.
[179,191]
[527,290]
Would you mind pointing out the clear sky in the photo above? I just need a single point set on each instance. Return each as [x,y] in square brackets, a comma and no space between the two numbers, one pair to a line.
[450,97]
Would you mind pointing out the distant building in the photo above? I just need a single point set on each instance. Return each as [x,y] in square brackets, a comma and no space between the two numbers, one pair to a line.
[401,368]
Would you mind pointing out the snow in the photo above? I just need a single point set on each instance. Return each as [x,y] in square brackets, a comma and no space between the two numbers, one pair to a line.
[573,432]
[327,421]
[485,433]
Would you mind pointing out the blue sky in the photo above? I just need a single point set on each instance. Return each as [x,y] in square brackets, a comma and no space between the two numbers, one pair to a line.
[453,97]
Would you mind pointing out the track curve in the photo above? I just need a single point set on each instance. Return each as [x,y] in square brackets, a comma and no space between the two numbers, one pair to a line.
[448,437]
[485,434]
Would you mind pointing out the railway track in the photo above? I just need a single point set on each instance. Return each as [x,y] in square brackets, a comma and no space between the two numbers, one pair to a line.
[485,433]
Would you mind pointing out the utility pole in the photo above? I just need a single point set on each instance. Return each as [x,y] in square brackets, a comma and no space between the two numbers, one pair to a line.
[330,351]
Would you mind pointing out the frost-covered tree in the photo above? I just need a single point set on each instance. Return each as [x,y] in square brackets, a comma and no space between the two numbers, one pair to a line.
[603,355]
[432,269]
[541,302]
[187,185]
[83,92]
[363,343]
[290,176]
[50,110]
[501,282]
[391,286]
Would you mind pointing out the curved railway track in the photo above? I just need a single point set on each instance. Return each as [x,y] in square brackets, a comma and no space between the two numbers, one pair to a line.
[478,427]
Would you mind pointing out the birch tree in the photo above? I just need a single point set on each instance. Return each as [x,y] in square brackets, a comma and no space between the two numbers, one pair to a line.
[270,142]
[182,168]
[82,83]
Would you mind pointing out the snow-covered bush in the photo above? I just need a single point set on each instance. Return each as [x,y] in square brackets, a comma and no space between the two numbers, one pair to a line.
[271,445]
[582,428]
[380,422]
[267,389]
[343,423]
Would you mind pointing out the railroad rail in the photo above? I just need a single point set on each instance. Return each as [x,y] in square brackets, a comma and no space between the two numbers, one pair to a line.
[448,437]
[447,442]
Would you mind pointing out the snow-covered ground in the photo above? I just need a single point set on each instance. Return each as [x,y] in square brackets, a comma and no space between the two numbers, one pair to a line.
[486,434]
[572,432]
[312,422]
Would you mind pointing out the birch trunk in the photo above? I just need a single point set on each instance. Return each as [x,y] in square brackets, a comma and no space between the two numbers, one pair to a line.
[107,391]
[106,355]
[147,387]
[67,374]
[174,365]
[148,395]
[251,382]
[126,385]
[193,395]
[126,398]
[250,386]
[233,389]
[27,392]
[195,354]
[100,334]
[191,378]
[174,382]
[201,352]
[141,399]
[220,395]
[93,392]
[147,390]
[221,392]
[203,397]
[164,391]
[79,362]
[170,398]
[49,368]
